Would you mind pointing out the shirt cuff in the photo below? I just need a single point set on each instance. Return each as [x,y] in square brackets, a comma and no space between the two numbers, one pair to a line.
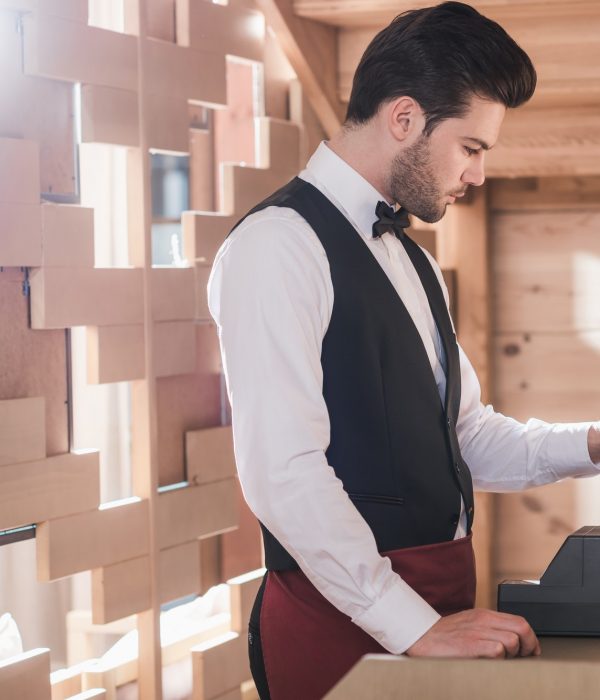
[398,619]
[566,448]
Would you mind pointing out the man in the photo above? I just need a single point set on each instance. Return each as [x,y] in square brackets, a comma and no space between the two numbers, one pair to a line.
[357,420]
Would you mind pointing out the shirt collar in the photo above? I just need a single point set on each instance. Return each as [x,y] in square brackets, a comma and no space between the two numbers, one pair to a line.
[348,190]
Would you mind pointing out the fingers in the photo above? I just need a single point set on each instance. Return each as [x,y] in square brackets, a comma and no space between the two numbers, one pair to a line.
[516,625]
[509,641]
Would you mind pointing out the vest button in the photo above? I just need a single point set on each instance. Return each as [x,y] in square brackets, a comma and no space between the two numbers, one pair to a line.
[457,467]
[454,520]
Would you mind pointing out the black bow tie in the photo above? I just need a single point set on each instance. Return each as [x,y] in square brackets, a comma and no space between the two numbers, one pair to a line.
[390,221]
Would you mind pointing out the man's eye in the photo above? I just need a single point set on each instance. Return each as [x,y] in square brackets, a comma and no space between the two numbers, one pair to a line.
[471,151]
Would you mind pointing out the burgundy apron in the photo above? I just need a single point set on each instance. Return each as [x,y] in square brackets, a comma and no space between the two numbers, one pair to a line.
[308,644]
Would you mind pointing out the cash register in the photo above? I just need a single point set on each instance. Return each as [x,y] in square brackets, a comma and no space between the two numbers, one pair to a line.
[566,600]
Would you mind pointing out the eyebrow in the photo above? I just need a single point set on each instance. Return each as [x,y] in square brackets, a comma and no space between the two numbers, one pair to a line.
[483,144]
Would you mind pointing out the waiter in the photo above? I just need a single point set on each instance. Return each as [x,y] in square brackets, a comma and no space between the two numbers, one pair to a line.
[358,427]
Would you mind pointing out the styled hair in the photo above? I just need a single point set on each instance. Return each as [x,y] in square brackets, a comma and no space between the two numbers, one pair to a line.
[440,56]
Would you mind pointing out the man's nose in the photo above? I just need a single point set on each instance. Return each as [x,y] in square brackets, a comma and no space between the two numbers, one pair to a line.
[475,173]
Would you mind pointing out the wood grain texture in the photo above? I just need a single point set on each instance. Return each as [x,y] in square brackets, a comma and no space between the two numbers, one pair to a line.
[174,348]
[92,539]
[209,455]
[49,488]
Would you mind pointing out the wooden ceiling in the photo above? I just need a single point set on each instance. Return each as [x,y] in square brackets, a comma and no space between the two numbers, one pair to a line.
[377,13]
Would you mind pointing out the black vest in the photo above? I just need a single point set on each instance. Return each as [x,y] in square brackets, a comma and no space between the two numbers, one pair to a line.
[393,444]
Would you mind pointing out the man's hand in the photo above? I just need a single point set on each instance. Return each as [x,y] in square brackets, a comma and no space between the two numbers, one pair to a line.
[478,633]
[594,443]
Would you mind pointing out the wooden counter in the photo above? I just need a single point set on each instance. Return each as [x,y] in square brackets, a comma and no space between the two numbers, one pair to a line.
[569,668]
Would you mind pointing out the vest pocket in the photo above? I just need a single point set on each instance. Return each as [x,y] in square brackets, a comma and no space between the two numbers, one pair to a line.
[370,498]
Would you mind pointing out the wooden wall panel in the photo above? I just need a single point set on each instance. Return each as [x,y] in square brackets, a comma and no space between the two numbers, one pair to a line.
[22,430]
[49,488]
[241,549]
[204,233]
[546,266]
[172,293]
[19,171]
[220,665]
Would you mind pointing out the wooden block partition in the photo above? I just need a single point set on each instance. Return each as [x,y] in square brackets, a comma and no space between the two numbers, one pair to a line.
[26,675]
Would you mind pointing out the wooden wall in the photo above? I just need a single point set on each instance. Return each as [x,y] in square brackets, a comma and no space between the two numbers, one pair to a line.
[545,237]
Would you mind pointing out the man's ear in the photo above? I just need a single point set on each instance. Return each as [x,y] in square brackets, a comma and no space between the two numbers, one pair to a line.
[405,118]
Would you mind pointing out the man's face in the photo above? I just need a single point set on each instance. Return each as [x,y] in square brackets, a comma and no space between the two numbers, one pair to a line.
[429,174]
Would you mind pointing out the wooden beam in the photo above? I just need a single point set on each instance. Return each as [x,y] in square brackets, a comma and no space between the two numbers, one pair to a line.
[109,115]
[115,353]
[204,233]
[186,513]
[242,592]
[66,297]
[219,666]
[311,49]
[65,50]
[123,589]
[220,29]
[26,675]
[22,430]
[209,455]
[49,488]
[93,539]
[67,236]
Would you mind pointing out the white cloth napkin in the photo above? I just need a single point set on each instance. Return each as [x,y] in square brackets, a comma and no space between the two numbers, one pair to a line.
[10,639]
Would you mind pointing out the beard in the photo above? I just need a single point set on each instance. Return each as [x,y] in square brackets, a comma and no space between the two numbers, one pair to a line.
[413,183]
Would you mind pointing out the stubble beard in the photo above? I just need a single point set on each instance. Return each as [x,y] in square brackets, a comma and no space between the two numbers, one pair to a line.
[413,183]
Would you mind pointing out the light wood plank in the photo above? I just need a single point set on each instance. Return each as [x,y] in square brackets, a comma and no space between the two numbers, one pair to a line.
[67,236]
[20,235]
[172,293]
[279,142]
[177,71]
[22,430]
[91,540]
[186,513]
[92,694]
[226,29]
[49,488]
[219,666]
[19,171]
[65,297]
[209,455]
[65,50]
[545,194]
[115,353]
[168,123]
[26,676]
[109,115]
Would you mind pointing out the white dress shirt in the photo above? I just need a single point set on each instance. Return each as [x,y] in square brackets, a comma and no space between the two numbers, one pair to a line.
[271,295]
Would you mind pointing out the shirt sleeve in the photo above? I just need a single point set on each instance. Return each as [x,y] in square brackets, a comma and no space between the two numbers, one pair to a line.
[504,454]
[270,294]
